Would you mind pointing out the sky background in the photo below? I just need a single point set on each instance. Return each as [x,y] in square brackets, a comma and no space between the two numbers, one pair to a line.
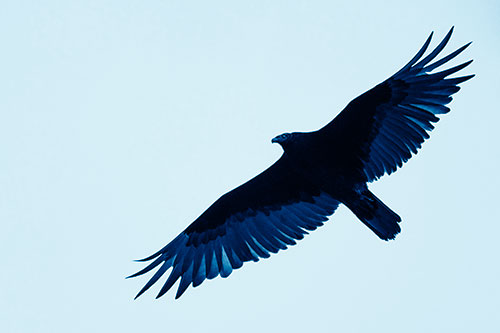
[122,121]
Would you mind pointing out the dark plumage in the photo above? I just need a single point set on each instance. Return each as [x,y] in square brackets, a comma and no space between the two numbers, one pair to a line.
[374,135]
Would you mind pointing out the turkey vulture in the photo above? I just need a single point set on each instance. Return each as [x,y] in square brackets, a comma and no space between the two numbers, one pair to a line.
[374,135]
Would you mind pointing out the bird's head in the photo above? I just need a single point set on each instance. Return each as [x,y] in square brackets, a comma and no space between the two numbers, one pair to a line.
[283,139]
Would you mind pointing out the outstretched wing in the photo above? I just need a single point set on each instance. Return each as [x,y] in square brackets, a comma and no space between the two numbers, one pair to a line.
[381,129]
[262,216]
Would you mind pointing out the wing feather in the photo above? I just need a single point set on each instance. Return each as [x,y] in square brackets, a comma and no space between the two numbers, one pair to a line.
[382,128]
[220,241]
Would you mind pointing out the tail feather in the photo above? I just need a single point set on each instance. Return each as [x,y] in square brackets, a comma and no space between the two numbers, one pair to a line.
[376,215]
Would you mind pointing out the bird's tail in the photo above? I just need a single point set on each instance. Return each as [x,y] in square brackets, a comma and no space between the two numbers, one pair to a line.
[375,215]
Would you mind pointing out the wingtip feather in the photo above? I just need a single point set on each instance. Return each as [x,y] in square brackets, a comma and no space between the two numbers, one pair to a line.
[151,257]
[417,56]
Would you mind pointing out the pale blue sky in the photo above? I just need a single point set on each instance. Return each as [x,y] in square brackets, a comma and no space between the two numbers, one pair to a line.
[121,121]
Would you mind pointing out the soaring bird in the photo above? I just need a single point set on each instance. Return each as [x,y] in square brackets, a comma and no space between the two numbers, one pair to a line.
[374,135]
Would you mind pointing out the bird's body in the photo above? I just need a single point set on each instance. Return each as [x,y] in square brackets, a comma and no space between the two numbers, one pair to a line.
[374,135]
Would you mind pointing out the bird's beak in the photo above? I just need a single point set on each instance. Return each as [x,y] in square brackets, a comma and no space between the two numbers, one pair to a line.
[274,140]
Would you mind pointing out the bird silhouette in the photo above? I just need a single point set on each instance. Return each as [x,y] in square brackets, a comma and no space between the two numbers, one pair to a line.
[374,135]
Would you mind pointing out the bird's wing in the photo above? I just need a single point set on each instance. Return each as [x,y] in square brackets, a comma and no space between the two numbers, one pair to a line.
[262,216]
[381,129]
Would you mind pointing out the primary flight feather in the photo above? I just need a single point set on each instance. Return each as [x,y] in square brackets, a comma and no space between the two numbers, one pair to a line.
[374,135]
